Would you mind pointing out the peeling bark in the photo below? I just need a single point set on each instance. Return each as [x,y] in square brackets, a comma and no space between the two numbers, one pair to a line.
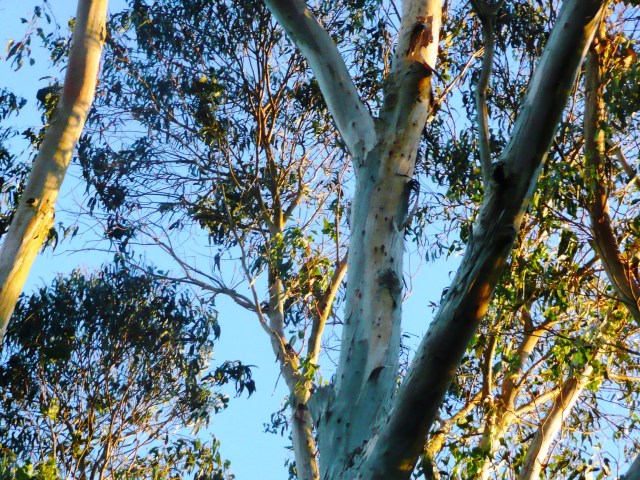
[34,216]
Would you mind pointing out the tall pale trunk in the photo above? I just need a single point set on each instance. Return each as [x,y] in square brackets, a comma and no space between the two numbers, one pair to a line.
[368,366]
[34,216]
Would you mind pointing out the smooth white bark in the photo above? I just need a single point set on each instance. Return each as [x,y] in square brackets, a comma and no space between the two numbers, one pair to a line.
[367,370]
[352,117]
[34,216]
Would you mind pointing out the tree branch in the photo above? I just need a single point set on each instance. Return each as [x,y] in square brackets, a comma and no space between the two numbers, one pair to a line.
[536,402]
[302,425]
[487,365]
[531,337]
[491,408]
[34,216]
[617,268]
[486,12]
[622,160]
[324,309]
[539,448]
[438,437]
[351,115]
[634,471]
[452,84]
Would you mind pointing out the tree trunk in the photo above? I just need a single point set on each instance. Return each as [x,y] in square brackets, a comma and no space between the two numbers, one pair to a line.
[34,216]
[368,366]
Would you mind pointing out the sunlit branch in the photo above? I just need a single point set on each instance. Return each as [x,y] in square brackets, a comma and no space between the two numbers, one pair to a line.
[324,306]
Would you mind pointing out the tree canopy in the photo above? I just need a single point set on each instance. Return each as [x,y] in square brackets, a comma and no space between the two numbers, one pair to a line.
[98,369]
[298,157]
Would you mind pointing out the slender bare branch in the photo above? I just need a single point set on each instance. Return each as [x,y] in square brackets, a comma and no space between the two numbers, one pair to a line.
[487,366]
[486,12]
[622,160]
[453,83]
[537,401]
[302,430]
[324,309]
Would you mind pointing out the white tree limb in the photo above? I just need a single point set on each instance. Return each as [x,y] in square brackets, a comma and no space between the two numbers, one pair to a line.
[34,216]
[486,12]
[351,115]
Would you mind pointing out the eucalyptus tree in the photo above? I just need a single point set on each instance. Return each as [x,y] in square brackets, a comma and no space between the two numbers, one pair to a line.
[289,137]
[553,353]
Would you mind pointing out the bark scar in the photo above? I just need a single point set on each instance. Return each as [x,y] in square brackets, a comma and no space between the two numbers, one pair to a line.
[421,35]
[388,280]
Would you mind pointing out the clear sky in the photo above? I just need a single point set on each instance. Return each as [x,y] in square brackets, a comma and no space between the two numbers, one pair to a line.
[253,453]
